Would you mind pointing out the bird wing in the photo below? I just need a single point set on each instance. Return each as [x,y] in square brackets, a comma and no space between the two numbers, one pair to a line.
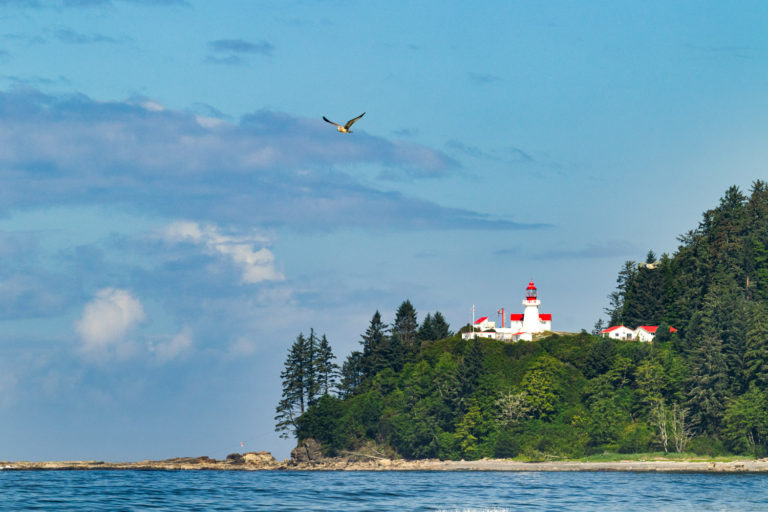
[352,121]
[329,121]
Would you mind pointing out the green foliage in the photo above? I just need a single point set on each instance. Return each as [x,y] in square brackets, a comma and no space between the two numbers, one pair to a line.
[600,358]
[507,445]
[308,374]
[714,290]
[352,374]
[746,423]
[707,384]
[376,350]
[406,325]
[543,385]
[326,370]
[636,438]
[422,392]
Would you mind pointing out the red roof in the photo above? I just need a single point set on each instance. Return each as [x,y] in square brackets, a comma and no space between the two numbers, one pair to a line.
[545,316]
[518,333]
[611,329]
[530,286]
[481,320]
[516,317]
[652,328]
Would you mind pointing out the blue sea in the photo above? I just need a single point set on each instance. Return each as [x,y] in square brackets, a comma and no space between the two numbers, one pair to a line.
[377,491]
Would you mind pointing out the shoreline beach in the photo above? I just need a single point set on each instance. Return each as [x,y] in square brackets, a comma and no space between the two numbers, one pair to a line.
[265,462]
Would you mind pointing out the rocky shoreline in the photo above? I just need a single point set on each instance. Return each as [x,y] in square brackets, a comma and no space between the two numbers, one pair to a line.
[261,461]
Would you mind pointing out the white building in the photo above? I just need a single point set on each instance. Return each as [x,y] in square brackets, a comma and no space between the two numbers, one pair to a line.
[521,326]
[644,333]
[619,332]
[484,325]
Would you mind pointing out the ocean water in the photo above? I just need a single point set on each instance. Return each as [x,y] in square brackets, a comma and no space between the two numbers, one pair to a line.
[376,491]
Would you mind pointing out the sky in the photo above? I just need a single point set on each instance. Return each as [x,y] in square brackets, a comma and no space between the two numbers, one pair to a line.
[174,211]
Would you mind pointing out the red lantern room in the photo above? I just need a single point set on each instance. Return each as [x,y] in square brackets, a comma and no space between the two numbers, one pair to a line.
[530,292]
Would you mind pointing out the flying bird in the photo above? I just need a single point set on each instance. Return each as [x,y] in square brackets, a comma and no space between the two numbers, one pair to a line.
[345,128]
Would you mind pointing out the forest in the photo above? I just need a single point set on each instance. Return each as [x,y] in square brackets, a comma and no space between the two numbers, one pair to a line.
[417,390]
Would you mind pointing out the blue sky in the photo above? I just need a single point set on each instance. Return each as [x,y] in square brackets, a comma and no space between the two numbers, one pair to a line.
[174,211]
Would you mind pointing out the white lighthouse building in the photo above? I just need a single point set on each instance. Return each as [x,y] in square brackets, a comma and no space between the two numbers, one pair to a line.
[521,326]
[531,321]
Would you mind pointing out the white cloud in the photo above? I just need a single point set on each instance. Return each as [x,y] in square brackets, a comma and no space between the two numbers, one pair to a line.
[152,106]
[242,347]
[268,168]
[106,321]
[173,348]
[257,265]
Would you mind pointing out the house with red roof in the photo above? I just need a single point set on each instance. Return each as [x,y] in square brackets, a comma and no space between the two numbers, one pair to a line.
[484,324]
[619,332]
[648,332]
[644,333]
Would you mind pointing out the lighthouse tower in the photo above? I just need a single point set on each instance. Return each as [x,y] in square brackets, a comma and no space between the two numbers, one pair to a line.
[531,321]
[523,327]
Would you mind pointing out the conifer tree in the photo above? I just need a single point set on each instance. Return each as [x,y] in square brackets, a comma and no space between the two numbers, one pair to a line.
[309,372]
[440,328]
[312,381]
[708,385]
[327,371]
[426,332]
[374,341]
[756,354]
[406,325]
[471,367]
[644,295]
[598,327]
[622,296]
[352,374]
[394,353]
[295,383]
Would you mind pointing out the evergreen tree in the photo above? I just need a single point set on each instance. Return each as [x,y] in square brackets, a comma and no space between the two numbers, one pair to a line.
[440,328]
[598,327]
[327,371]
[394,353]
[600,358]
[471,367]
[619,298]
[757,219]
[746,423]
[374,343]
[644,296]
[756,354]
[406,326]
[352,374]
[426,332]
[311,377]
[663,334]
[295,384]
[708,385]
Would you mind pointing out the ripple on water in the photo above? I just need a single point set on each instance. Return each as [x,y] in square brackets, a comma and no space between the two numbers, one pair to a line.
[381,491]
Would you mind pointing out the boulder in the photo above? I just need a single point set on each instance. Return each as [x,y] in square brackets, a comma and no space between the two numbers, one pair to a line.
[308,450]
[259,458]
[235,458]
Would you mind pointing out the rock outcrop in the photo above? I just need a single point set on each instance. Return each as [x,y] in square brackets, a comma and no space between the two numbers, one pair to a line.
[306,452]
[250,461]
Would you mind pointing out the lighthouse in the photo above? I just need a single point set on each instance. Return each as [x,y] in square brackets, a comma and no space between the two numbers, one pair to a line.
[521,326]
[531,313]
[531,321]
